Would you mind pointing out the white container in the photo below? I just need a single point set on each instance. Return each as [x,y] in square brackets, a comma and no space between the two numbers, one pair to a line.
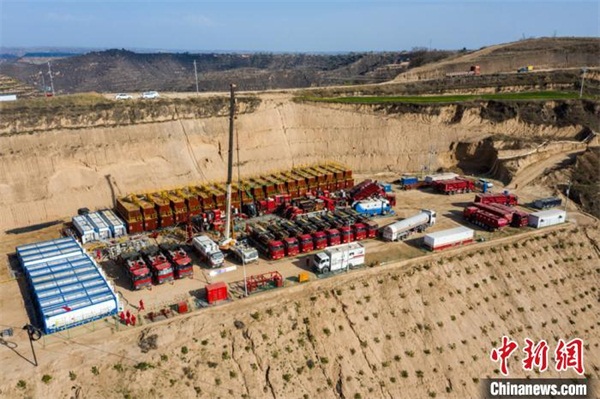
[116,225]
[440,176]
[400,230]
[547,218]
[85,229]
[100,226]
[448,238]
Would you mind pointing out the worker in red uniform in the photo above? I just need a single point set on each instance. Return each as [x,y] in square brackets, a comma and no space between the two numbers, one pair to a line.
[122,317]
[133,320]
[141,307]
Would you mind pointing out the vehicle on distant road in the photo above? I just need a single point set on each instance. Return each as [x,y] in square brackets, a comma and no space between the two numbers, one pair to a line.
[150,94]
[123,96]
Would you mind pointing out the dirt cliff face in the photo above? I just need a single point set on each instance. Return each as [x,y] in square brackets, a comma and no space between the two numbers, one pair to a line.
[49,175]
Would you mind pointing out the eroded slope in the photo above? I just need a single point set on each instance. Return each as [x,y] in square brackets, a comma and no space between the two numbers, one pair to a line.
[409,330]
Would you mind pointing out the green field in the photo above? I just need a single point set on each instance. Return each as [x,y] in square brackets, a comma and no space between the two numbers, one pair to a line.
[426,99]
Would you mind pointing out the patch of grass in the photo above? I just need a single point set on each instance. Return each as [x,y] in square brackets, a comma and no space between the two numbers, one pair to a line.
[72,375]
[21,384]
[184,350]
[95,370]
[46,378]
[143,366]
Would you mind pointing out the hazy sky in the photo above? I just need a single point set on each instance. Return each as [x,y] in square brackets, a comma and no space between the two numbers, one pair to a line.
[330,25]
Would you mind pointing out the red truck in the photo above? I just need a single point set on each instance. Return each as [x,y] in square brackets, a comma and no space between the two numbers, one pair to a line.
[497,198]
[347,234]
[291,246]
[320,239]
[484,219]
[333,237]
[162,271]
[454,186]
[517,218]
[137,270]
[372,229]
[360,231]
[179,259]
[306,243]
[267,244]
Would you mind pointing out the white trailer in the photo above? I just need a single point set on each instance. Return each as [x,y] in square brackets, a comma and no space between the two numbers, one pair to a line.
[448,238]
[100,226]
[547,218]
[115,224]
[85,229]
[208,250]
[440,176]
[340,257]
[403,228]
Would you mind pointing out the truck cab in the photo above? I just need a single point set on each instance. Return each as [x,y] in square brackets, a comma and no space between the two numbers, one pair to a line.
[360,231]
[306,243]
[180,260]
[320,240]
[321,262]
[347,234]
[162,270]
[291,246]
[333,237]
[209,251]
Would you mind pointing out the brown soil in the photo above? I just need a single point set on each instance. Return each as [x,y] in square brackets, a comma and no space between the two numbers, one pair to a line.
[49,175]
[407,329]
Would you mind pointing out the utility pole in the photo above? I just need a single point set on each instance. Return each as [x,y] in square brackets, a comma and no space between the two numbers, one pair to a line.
[584,69]
[196,74]
[51,80]
[229,163]
[568,193]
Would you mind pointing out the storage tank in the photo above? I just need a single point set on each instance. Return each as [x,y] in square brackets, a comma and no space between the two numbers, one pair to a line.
[115,224]
[398,230]
[67,287]
[440,176]
[448,238]
[84,228]
[100,226]
[547,218]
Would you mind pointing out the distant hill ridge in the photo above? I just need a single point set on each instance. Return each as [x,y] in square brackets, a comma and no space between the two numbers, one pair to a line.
[122,70]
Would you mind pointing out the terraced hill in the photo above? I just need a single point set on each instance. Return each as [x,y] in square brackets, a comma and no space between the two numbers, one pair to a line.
[10,85]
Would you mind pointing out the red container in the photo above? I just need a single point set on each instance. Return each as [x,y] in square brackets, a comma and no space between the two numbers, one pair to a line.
[216,292]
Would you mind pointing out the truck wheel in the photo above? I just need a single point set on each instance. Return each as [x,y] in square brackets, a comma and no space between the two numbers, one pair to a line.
[325,270]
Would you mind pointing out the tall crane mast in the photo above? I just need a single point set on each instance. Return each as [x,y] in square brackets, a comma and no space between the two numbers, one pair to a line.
[229,163]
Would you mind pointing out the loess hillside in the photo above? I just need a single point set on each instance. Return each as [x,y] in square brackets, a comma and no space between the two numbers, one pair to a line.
[416,329]
[179,145]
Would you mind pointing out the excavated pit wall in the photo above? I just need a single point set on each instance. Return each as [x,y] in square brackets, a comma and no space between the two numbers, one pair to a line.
[49,175]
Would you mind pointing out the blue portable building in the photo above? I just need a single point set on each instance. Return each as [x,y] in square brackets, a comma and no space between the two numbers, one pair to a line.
[67,286]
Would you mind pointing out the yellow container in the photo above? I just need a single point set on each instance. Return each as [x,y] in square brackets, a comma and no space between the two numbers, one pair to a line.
[303,277]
